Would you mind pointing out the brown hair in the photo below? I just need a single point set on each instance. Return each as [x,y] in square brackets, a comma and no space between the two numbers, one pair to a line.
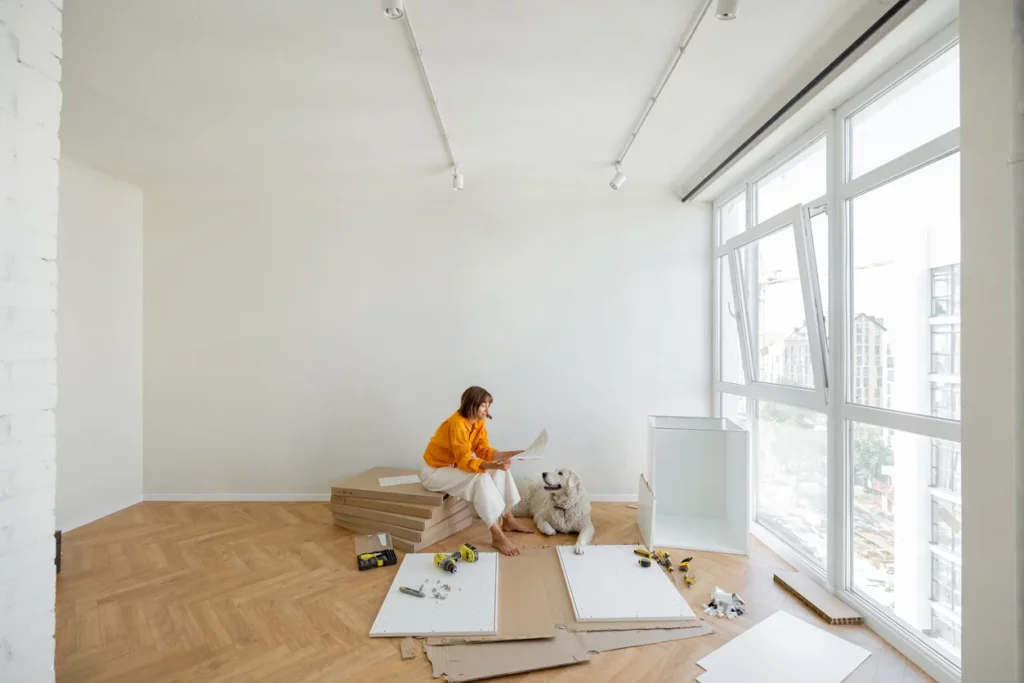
[472,399]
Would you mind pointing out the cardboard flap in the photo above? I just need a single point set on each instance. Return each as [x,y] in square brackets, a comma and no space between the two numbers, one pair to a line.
[473,662]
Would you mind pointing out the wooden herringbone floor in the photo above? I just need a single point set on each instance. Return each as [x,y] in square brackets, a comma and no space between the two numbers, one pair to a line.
[267,592]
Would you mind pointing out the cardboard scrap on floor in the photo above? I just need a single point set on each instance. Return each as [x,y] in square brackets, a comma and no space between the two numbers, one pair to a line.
[603,641]
[408,648]
[834,611]
[534,598]
[477,661]
[783,648]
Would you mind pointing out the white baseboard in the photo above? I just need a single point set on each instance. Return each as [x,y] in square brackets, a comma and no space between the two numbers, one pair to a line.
[311,497]
[612,497]
[92,517]
[236,497]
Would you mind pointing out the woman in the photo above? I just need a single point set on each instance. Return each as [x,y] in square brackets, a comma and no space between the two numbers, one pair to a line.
[461,462]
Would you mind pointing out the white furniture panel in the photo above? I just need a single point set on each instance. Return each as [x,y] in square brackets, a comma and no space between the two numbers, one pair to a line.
[608,584]
[470,608]
[783,649]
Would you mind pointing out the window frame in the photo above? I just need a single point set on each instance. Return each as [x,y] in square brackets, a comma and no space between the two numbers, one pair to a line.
[837,349]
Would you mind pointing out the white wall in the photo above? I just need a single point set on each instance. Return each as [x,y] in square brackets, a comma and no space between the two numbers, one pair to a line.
[99,346]
[992,353]
[293,342]
[30,101]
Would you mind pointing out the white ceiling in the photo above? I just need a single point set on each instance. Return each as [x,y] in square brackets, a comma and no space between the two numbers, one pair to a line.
[237,93]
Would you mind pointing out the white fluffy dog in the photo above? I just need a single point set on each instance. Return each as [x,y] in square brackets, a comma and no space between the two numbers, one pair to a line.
[558,504]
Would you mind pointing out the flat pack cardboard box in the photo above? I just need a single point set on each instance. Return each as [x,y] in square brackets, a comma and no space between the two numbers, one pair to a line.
[406,521]
[367,485]
[414,535]
[432,513]
[438,532]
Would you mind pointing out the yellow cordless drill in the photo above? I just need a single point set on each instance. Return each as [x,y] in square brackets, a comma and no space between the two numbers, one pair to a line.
[445,562]
[467,552]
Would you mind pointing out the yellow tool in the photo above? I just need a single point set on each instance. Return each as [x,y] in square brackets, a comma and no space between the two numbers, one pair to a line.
[688,580]
[445,562]
[467,552]
[684,566]
[644,553]
[381,558]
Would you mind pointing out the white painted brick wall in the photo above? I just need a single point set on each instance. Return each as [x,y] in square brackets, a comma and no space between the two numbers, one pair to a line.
[30,103]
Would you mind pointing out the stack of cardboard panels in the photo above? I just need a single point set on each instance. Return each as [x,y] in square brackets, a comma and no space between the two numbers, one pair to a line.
[415,517]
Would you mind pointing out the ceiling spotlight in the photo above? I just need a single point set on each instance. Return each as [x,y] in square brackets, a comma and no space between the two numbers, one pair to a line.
[726,9]
[617,179]
[393,9]
[456,180]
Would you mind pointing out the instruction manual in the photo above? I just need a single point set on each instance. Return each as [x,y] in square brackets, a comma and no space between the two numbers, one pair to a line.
[395,481]
[536,449]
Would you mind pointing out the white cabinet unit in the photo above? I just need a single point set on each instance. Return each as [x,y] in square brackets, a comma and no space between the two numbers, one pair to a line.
[698,497]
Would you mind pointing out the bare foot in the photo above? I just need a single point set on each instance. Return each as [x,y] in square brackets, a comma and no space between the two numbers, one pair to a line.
[502,544]
[513,524]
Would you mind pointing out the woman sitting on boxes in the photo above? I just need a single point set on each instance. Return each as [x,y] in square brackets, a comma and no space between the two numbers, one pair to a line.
[461,462]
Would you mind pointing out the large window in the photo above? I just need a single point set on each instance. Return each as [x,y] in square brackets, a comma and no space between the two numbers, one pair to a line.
[792,490]
[839,343]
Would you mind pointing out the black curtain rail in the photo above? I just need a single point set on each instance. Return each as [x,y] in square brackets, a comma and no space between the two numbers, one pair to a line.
[793,101]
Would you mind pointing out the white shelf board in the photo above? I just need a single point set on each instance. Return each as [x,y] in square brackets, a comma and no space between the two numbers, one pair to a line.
[470,608]
[608,584]
[783,649]
[700,533]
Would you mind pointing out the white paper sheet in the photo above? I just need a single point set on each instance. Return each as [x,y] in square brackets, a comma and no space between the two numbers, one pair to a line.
[783,648]
[395,481]
[535,449]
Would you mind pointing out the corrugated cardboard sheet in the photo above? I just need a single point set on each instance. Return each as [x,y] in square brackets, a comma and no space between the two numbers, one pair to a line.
[477,661]
[489,660]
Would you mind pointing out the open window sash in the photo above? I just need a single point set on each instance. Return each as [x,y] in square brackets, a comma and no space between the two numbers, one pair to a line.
[781,344]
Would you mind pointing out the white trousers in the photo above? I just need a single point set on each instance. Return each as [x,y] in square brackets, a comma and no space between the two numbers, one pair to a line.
[493,493]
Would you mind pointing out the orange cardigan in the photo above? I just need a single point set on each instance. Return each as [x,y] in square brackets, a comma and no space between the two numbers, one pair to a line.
[455,442]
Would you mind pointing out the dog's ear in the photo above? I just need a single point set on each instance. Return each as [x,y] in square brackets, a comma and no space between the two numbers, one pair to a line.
[573,482]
